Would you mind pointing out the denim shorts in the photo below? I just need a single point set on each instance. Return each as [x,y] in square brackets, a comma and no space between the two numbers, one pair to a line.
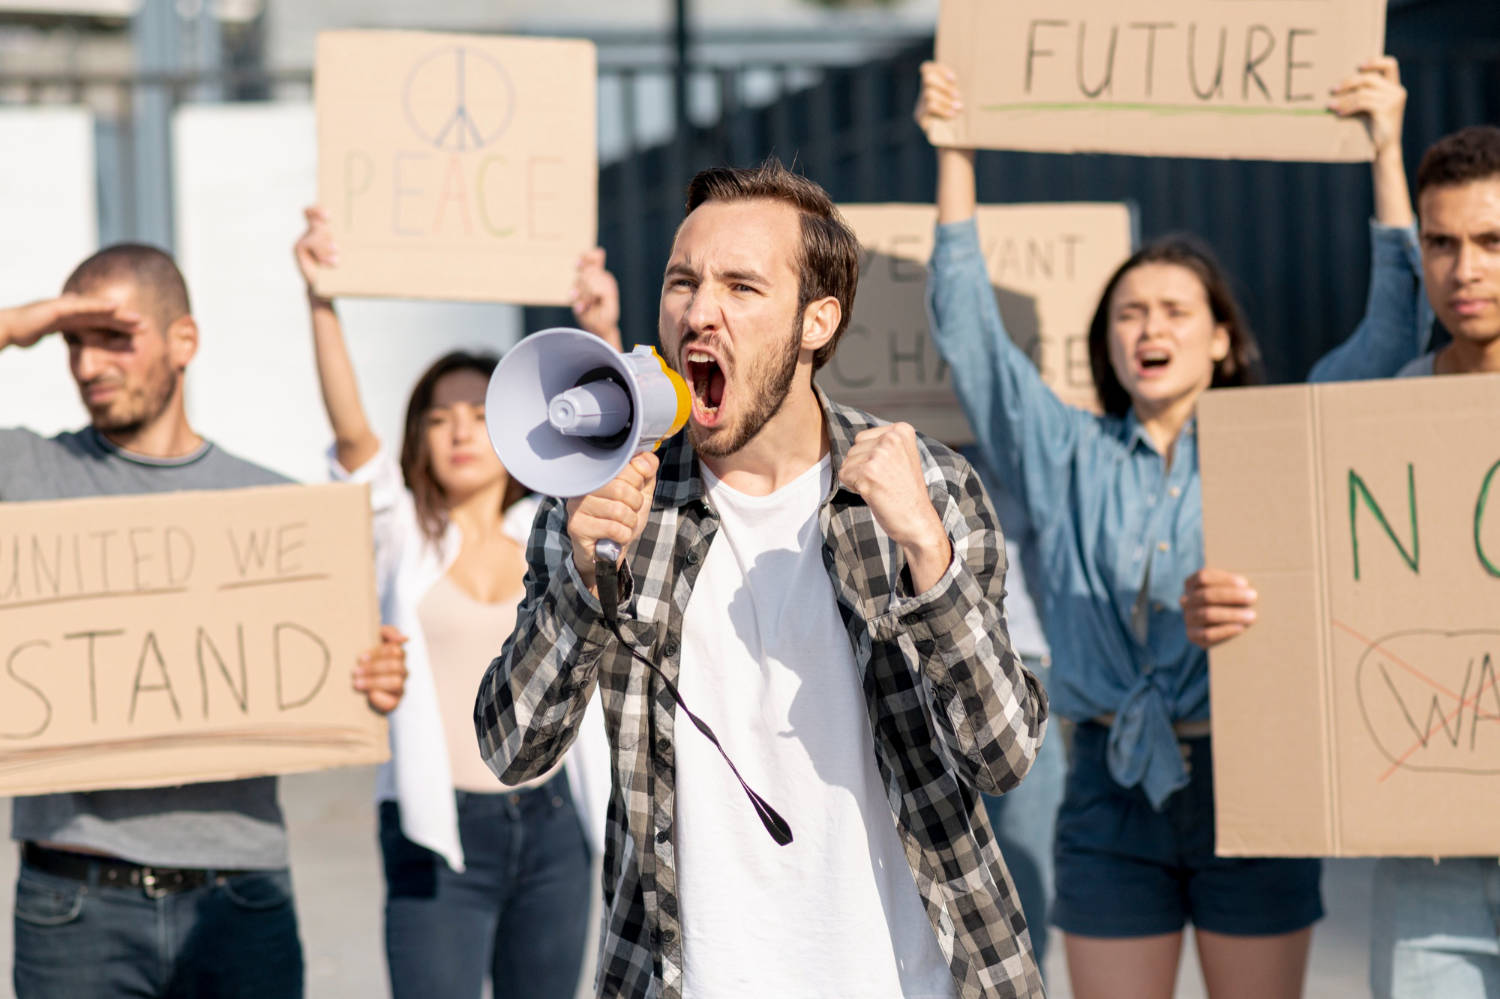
[1127,870]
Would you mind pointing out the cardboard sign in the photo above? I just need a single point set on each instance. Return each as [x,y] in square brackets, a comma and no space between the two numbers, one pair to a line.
[183,637]
[1360,715]
[1048,264]
[456,166]
[1243,79]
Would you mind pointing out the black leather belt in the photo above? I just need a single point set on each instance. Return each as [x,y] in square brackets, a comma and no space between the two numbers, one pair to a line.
[115,873]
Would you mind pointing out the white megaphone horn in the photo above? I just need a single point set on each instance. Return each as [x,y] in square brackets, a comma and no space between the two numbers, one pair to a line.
[566,411]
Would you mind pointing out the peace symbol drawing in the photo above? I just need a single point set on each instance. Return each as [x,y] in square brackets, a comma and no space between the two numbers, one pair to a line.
[458,99]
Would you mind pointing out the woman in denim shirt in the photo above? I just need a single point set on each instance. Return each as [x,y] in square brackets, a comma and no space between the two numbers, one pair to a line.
[1117,508]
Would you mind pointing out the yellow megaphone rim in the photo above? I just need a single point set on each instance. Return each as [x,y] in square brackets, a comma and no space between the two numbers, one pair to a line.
[684,400]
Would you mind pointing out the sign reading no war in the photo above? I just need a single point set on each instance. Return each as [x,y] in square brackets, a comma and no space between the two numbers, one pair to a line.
[152,640]
[1245,79]
[1360,715]
[456,166]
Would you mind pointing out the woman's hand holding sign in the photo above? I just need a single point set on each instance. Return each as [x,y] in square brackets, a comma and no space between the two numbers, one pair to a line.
[381,672]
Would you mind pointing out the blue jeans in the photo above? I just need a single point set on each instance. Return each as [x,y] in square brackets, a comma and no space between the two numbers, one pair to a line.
[518,913]
[1024,821]
[1434,928]
[233,937]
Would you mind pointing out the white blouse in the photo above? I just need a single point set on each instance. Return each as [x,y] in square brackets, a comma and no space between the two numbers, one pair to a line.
[419,774]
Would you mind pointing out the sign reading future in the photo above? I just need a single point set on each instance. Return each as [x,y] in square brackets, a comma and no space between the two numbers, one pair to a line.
[154,640]
[1246,79]
[1365,701]
[456,166]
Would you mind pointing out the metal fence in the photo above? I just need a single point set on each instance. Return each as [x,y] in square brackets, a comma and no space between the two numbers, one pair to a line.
[1292,235]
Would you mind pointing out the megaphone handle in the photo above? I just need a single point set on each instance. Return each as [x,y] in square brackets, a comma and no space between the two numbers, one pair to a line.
[607,576]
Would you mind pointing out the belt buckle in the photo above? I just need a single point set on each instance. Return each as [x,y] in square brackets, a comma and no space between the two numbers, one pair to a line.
[151,886]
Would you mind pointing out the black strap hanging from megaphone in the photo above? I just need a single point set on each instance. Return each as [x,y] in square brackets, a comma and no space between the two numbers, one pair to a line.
[607,578]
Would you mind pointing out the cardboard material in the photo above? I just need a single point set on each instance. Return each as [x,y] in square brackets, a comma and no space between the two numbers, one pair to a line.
[155,640]
[1048,264]
[1360,715]
[456,166]
[1241,79]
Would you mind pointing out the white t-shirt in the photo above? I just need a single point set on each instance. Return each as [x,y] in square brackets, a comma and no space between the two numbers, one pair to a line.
[766,662]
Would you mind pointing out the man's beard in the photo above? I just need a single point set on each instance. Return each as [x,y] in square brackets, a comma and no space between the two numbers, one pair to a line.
[136,408]
[768,386]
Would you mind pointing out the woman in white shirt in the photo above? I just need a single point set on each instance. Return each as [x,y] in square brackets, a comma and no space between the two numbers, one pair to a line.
[481,879]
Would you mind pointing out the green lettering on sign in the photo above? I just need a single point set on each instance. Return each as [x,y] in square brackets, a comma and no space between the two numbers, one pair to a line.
[1358,489]
[1479,510]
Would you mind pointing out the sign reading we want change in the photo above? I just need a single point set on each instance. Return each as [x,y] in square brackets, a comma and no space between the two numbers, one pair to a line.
[1360,714]
[456,166]
[1047,263]
[1246,79]
[183,637]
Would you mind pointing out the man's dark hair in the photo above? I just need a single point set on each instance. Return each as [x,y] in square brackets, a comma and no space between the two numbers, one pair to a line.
[151,270]
[828,261]
[1467,155]
[1240,366]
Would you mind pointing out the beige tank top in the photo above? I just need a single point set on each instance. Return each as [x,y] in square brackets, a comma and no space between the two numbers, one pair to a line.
[463,635]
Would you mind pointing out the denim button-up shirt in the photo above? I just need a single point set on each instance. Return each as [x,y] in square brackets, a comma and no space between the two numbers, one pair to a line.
[1117,528]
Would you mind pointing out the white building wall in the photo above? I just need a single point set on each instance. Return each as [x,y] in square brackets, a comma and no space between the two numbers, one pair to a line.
[47,202]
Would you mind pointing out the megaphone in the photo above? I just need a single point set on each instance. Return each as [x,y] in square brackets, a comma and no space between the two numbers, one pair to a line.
[566,411]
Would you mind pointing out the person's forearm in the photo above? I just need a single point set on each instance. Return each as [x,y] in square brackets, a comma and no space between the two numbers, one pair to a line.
[20,324]
[928,562]
[956,197]
[1392,198]
[354,440]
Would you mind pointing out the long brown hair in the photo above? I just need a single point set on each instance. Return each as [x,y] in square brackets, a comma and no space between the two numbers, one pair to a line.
[1240,366]
[416,461]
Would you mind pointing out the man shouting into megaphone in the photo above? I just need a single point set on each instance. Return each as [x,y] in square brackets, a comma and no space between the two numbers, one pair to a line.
[826,590]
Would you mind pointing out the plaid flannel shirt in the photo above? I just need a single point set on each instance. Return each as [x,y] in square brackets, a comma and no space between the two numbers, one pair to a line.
[950,708]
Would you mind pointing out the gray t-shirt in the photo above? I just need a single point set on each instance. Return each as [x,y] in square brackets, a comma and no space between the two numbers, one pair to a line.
[1421,367]
[224,824]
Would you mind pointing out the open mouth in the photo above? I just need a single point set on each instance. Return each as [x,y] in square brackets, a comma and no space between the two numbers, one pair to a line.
[1151,359]
[706,381]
